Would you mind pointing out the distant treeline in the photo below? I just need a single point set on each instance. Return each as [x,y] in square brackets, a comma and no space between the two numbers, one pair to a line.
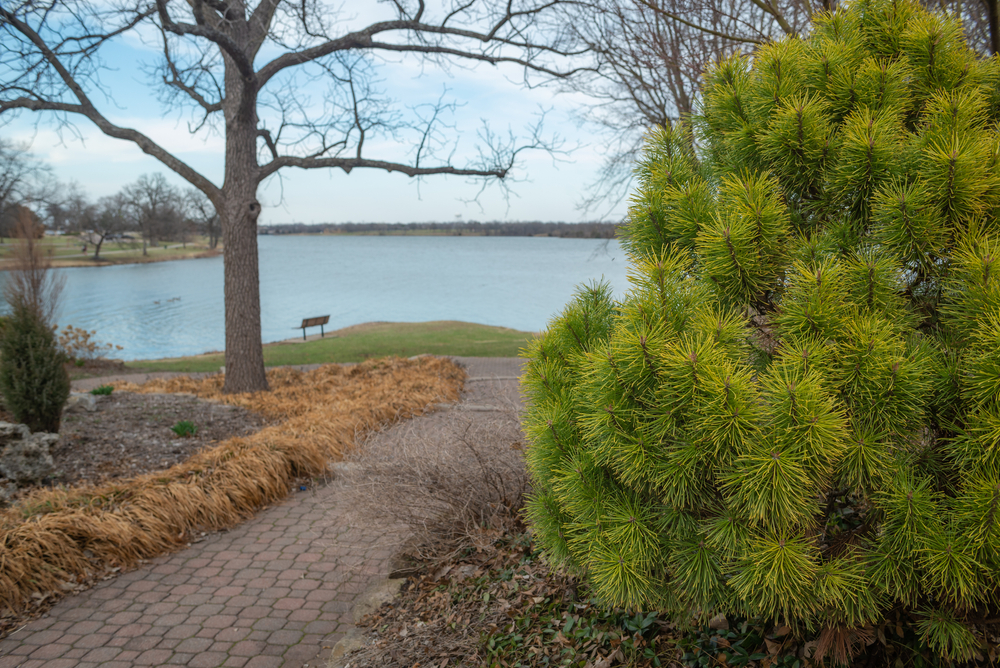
[591,230]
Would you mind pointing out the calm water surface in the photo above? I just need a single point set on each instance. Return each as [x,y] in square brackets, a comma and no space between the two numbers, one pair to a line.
[168,309]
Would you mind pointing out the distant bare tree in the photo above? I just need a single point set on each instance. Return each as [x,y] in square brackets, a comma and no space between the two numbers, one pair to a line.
[22,181]
[200,211]
[112,217]
[29,282]
[155,206]
[241,65]
[68,208]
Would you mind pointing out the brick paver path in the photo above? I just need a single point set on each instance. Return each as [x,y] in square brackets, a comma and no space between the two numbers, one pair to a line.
[275,591]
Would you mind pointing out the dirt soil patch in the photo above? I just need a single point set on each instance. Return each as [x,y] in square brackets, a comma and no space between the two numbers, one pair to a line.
[130,434]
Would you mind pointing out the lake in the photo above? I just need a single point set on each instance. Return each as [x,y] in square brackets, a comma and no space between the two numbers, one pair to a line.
[170,309]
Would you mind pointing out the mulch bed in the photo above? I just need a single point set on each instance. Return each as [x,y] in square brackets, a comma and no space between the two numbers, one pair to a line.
[130,434]
[500,605]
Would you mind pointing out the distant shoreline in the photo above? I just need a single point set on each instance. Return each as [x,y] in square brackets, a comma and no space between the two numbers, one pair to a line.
[7,264]
[591,230]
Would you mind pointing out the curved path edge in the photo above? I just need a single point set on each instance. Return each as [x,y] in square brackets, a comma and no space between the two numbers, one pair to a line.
[274,592]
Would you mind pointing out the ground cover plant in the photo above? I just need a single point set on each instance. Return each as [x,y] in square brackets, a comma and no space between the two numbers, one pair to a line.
[793,417]
[52,538]
[185,428]
[501,605]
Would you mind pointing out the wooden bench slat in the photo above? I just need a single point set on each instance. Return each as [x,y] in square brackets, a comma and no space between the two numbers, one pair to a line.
[314,322]
[318,321]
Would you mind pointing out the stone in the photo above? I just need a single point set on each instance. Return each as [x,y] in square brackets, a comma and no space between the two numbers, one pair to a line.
[372,599]
[12,432]
[28,459]
[80,402]
[719,623]
[353,640]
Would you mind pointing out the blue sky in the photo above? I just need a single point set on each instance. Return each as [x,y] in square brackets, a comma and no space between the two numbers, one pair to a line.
[550,188]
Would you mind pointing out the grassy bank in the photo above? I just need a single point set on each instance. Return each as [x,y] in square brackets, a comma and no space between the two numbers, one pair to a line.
[370,340]
[67,251]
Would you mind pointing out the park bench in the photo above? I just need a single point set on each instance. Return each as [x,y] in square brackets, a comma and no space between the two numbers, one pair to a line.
[318,321]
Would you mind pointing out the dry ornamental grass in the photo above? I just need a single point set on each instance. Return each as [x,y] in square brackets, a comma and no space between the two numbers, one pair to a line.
[58,536]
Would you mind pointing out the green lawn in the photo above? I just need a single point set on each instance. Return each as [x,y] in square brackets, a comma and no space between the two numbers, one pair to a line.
[361,342]
[66,251]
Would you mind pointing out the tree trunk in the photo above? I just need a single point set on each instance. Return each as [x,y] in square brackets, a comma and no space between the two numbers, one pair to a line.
[240,209]
[993,14]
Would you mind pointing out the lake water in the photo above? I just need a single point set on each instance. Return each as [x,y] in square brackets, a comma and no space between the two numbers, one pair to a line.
[169,309]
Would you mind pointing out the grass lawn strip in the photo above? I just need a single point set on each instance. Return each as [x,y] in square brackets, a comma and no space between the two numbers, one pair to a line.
[54,538]
[370,340]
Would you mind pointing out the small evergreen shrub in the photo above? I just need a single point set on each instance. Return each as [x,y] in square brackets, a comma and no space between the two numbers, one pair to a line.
[33,381]
[103,390]
[794,413]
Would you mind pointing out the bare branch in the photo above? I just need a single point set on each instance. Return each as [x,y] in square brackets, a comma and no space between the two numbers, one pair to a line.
[348,164]
[363,40]
[176,80]
[87,109]
[227,44]
[701,28]
[266,135]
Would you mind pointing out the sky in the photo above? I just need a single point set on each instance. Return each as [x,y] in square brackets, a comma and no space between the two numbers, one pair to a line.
[546,187]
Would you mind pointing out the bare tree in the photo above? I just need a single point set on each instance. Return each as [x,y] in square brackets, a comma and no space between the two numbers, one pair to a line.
[981,19]
[155,208]
[650,56]
[112,217]
[240,65]
[68,207]
[22,181]
[200,211]
[29,282]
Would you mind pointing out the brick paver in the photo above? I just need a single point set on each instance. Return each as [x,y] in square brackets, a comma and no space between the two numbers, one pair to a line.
[275,592]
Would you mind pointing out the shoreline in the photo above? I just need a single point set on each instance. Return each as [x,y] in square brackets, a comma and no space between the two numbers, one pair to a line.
[5,264]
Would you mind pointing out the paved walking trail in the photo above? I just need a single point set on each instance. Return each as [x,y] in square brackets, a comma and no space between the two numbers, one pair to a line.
[274,591]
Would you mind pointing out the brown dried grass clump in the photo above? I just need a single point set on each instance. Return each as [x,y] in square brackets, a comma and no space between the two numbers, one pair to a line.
[455,479]
[54,536]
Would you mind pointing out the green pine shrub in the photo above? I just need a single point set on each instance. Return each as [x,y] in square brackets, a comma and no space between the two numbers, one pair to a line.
[794,413]
[33,380]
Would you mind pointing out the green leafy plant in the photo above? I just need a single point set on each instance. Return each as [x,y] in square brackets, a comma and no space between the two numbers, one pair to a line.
[185,428]
[33,380]
[794,414]
[103,390]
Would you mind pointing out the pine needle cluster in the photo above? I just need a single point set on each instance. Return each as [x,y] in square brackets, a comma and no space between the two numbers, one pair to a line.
[794,413]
